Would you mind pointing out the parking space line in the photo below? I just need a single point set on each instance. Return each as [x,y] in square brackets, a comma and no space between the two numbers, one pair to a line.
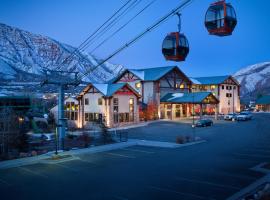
[4,182]
[66,167]
[251,155]
[137,150]
[208,183]
[180,193]
[33,172]
[120,155]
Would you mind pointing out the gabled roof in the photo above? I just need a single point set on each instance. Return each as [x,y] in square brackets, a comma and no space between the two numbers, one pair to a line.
[263,100]
[108,89]
[215,80]
[196,97]
[212,80]
[150,74]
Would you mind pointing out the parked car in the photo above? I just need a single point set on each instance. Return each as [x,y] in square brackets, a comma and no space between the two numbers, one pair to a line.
[204,122]
[230,116]
[244,116]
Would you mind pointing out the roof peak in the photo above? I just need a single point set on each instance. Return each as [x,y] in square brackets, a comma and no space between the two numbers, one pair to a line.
[145,68]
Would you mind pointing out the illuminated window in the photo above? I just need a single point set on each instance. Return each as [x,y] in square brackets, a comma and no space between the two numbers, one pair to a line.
[176,85]
[213,87]
[138,85]
[182,86]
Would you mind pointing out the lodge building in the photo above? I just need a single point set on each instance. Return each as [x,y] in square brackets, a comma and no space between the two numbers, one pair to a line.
[173,95]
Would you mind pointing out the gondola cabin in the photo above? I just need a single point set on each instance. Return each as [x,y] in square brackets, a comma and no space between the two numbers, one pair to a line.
[175,47]
[220,19]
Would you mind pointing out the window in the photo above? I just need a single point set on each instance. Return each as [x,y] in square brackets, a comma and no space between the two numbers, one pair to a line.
[234,87]
[138,85]
[99,101]
[212,87]
[115,105]
[222,87]
[71,110]
[177,111]
[86,117]
[228,94]
[131,109]
[182,86]
[115,110]
[93,117]
[86,101]
[169,106]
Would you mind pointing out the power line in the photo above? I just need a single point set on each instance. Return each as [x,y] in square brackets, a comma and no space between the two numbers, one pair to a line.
[123,26]
[111,24]
[89,37]
[155,25]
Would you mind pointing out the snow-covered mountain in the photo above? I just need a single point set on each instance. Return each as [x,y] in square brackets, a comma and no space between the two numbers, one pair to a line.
[24,56]
[254,80]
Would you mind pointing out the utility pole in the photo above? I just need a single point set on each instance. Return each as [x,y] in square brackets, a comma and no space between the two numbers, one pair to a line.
[62,79]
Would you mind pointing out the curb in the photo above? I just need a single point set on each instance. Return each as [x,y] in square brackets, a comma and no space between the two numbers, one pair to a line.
[151,143]
[253,186]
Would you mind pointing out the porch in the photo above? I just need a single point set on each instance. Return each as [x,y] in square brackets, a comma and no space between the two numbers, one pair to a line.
[175,106]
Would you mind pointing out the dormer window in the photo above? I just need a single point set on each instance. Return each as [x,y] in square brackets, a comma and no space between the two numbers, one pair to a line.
[138,85]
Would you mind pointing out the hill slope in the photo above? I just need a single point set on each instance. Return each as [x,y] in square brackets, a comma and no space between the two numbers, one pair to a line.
[24,55]
[254,80]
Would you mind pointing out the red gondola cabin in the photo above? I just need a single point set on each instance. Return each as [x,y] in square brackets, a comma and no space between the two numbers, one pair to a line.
[175,47]
[220,19]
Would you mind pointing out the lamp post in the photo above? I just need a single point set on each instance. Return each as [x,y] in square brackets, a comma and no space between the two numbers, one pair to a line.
[193,120]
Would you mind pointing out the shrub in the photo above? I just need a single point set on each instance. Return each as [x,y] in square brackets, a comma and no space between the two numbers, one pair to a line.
[180,140]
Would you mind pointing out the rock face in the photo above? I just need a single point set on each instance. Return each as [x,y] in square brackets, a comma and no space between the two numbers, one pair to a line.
[24,56]
[254,80]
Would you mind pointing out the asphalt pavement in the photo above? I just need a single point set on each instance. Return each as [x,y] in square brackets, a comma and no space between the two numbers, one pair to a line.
[215,169]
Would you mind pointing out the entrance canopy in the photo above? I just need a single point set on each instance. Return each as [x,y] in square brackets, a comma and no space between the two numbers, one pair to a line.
[195,97]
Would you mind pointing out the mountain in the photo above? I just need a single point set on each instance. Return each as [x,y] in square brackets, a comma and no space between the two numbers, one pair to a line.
[24,56]
[254,80]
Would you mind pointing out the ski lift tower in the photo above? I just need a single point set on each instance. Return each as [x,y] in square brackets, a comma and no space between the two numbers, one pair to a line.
[61,79]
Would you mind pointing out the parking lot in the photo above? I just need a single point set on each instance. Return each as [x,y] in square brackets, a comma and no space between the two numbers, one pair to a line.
[215,169]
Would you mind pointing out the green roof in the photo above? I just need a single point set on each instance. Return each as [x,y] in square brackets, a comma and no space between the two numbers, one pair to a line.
[211,80]
[196,97]
[263,100]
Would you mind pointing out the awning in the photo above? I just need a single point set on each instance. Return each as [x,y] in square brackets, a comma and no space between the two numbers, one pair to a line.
[195,97]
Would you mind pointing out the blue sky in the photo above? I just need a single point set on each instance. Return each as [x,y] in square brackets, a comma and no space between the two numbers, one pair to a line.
[71,21]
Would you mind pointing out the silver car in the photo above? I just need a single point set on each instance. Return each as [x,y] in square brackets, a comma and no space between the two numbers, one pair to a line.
[244,116]
[230,116]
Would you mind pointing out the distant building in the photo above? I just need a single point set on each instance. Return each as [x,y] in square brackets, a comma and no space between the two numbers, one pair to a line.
[263,103]
[225,88]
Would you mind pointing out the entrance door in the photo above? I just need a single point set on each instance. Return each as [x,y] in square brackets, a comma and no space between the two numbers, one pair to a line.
[177,111]
[169,111]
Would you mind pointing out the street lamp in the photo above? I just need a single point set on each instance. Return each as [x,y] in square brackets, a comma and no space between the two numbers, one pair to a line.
[193,120]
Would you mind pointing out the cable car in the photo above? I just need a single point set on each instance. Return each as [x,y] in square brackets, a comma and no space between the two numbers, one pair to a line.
[175,46]
[220,19]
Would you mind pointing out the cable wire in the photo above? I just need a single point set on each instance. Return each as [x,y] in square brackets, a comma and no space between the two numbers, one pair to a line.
[123,26]
[155,25]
